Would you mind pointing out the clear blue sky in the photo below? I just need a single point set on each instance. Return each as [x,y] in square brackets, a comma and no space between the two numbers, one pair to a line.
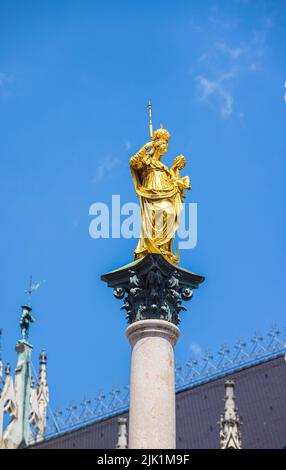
[75,78]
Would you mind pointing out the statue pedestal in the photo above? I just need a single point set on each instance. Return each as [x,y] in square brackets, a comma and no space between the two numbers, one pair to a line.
[153,291]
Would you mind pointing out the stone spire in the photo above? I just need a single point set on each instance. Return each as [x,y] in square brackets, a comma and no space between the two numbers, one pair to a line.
[7,404]
[39,400]
[42,395]
[230,435]
[25,403]
[34,411]
[18,430]
[122,434]
[20,399]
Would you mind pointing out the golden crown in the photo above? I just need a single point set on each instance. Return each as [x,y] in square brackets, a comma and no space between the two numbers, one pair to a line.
[161,134]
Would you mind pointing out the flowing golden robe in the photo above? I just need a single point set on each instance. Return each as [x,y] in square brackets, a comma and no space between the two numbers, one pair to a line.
[160,202]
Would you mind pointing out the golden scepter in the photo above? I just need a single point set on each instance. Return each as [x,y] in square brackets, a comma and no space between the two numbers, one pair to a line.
[150,118]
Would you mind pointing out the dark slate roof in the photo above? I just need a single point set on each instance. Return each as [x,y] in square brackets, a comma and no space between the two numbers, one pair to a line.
[260,399]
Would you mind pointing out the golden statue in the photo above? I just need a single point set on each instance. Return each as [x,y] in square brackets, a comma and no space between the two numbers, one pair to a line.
[161,192]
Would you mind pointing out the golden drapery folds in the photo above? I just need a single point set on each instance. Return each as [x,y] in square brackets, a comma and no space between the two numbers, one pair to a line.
[161,191]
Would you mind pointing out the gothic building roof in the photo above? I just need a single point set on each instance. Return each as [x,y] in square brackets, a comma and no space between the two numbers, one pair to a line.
[259,397]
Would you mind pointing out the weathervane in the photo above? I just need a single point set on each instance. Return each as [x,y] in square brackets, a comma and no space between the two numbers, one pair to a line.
[33,286]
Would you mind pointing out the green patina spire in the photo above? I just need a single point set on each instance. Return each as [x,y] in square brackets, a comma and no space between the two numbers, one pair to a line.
[27,403]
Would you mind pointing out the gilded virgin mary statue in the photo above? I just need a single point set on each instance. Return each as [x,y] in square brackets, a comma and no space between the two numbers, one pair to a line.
[161,192]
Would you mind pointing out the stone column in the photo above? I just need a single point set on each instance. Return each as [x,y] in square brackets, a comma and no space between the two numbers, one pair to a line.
[152,419]
[153,291]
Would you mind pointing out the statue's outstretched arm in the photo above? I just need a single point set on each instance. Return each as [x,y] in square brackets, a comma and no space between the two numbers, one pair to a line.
[141,158]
